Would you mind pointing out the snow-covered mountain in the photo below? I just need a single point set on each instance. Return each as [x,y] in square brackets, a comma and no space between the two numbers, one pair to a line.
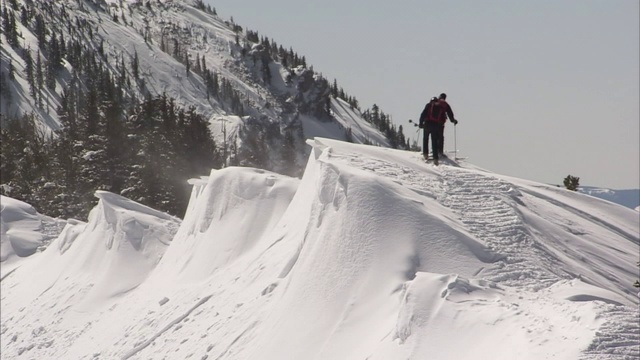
[178,48]
[372,254]
[627,197]
[103,94]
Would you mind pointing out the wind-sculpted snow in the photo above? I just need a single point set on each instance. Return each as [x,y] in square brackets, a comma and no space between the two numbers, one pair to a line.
[373,254]
[22,232]
[20,229]
[210,237]
[93,263]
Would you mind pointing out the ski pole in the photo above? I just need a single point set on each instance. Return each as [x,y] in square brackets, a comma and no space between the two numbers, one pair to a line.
[417,130]
[455,143]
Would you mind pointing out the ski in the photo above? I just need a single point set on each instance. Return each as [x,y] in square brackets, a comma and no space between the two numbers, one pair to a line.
[443,159]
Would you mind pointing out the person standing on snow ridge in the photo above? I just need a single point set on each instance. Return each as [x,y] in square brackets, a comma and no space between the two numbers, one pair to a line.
[432,120]
[447,112]
[431,128]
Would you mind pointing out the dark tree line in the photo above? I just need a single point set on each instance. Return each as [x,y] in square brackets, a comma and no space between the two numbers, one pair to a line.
[145,150]
[383,123]
[147,156]
[267,146]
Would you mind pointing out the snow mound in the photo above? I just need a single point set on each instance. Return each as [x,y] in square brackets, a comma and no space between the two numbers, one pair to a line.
[576,290]
[108,256]
[20,229]
[365,237]
[472,319]
[210,237]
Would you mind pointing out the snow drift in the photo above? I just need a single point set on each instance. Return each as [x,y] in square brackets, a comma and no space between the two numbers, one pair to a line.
[104,258]
[373,254]
[20,229]
[22,232]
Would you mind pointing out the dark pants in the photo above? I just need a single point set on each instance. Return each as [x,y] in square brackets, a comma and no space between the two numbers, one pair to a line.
[441,143]
[434,130]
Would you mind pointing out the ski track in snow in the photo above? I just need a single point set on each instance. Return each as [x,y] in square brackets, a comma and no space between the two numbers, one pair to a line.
[147,342]
[487,205]
[618,337]
[491,217]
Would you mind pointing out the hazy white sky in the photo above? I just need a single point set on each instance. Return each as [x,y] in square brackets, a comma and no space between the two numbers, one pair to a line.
[542,89]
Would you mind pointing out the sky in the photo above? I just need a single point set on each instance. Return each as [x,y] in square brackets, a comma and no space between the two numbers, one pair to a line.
[542,89]
[372,254]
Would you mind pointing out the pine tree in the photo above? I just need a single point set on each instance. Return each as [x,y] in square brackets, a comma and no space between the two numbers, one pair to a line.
[176,49]
[571,182]
[25,159]
[198,67]
[24,16]
[90,113]
[135,65]
[41,31]
[30,73]
[39,75]
[10,27]
[254,151]
[51,76]
[289,154]
[348,135]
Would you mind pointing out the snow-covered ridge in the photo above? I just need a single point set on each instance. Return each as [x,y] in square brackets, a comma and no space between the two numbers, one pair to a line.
[372,254]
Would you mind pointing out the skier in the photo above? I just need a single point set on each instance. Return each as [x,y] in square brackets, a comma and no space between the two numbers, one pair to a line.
[432,120]
[431,128]
[443,119]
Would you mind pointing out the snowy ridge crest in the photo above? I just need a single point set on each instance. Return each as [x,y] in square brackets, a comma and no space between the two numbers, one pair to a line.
[130,222]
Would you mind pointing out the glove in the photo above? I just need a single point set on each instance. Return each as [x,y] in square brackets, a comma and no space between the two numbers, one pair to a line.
[420,125]
[454,121]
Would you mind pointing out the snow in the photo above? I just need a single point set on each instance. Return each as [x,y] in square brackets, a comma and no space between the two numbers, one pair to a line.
[22,231]
[19,226]
[372,254]
[362,130]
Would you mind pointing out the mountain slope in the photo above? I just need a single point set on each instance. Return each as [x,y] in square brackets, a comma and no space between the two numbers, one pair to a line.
[628,197]
[104,93]
[373,254]
[173,43]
